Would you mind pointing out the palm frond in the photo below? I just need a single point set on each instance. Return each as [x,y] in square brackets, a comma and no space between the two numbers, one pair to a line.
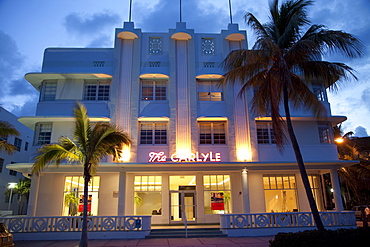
[52,153]
[82,126]
[6,129]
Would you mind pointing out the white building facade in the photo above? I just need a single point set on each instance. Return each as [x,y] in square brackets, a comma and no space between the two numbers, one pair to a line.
[11,204]
[196,148]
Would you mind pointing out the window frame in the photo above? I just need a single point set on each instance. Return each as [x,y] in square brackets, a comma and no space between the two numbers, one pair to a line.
[157,91]
[156,136]
[48,90]
[210,92]
[267,136]
[204,138]
[1,164]
[325,133]
[101,92]
[37,141]
[18,143]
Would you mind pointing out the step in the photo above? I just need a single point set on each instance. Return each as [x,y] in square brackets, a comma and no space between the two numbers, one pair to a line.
[181,233]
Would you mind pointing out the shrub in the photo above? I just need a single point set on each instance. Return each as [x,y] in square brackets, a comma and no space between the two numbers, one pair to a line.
[327,238]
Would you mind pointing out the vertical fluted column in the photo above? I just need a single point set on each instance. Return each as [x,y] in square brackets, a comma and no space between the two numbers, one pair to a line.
[183,127]
[241,124]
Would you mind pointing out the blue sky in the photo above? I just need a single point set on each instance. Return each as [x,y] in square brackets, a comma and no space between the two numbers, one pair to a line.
[28,27]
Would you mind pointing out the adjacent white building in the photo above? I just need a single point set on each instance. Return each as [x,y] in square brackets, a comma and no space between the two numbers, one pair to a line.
[195,146]
[10,205]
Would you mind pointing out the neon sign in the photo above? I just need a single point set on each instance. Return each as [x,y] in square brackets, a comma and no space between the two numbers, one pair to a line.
[193,157]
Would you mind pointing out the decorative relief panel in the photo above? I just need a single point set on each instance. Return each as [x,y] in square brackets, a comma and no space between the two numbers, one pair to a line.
[208,46]
[155,45]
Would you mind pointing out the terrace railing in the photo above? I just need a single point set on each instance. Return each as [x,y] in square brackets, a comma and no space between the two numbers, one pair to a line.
[272,223]
[124,226]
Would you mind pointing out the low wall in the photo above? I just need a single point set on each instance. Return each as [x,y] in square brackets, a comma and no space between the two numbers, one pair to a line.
[267,224]
[70,227]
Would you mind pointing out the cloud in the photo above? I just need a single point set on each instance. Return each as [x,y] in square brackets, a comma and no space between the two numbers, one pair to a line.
[360,132]
[97,23]
[15,92]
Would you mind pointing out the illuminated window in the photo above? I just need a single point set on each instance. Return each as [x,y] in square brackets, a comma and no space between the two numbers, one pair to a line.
[212,133]
[315,184]
[154,133]
[48,91]
[265,133]
[42,133]
[97,90]
[280,193]
[325,132]
[209,91]
[217,194]
[153,90]
[74,195]
[148,195]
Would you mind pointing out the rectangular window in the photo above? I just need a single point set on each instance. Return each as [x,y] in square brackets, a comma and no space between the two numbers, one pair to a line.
[315,184]
[26,146]
[154,133]
[74,196]
[217,194]
[324,132]
[12,173]
[209,91]
[212,133]
[49,90]
[96,90]
[265,133]
[153,90]
[280,193]
[148,195]
[18,143]
[42,133]
[1,165]
[319,90]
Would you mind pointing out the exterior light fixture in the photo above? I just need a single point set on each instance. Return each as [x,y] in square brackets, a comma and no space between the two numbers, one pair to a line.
[339,140]
[245,171]
[11,186]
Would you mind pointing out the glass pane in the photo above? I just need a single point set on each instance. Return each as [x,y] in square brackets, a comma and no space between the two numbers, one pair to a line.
[266,182]
[148,203]
[281,201]
[272,182]
[279,182]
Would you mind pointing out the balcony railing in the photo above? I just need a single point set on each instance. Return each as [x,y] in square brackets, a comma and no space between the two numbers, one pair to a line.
[102,226]
[271,223]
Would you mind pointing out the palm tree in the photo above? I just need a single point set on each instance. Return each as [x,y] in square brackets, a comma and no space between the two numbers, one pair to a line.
[6,129]
[287,55]
[90,145]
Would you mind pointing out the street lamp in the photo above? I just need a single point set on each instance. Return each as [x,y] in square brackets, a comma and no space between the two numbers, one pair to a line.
[11,186]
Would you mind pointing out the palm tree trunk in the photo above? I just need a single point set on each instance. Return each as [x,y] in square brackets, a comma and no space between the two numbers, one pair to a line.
[87,176]
[301,166]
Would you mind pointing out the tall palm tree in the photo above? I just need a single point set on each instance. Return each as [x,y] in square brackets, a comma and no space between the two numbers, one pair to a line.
[6,129]
[287,55]
[90,145]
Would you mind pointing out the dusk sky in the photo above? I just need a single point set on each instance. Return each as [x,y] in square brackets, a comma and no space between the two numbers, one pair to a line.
[28,27]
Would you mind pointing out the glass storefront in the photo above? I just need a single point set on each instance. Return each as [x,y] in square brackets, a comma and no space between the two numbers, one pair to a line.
[73,196]
[217,194]
[280,193]
[148,195]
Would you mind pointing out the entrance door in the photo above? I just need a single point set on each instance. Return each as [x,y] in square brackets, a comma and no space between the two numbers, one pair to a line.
[182,203]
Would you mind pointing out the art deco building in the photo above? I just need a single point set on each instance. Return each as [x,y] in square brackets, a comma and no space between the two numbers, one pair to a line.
[195,146]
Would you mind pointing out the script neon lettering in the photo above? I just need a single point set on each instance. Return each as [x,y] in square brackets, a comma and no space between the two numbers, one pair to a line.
[192,157]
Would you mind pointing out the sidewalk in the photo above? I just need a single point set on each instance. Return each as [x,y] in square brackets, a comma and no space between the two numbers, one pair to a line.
[183,242]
